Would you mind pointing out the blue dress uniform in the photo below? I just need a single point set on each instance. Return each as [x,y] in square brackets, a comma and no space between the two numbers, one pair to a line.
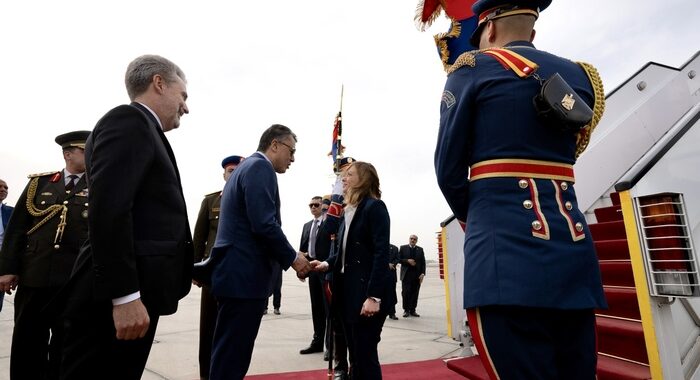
[528,250]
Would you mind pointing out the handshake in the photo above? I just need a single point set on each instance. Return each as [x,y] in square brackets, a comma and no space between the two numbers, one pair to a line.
[303,266]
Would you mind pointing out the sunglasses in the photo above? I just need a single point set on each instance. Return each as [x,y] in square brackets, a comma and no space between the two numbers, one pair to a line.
[314,205]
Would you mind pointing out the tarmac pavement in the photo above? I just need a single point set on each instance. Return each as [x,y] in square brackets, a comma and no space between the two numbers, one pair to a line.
[174,355]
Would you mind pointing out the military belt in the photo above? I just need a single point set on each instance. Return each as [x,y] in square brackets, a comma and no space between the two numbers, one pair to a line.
[521,168]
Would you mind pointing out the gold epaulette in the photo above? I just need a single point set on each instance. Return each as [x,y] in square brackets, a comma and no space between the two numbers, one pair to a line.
[584,136]
[468,58]
[42,174]
[214,193]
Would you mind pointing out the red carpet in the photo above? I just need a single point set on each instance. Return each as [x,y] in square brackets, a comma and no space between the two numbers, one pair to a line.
[429,369]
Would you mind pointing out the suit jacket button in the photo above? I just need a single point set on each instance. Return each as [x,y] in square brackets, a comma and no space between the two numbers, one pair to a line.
[564,186]
[536,225]
[523,184]
[527,204]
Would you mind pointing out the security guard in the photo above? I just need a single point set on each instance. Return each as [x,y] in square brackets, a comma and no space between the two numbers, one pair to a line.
[203,241]
[532,279]
[42,240]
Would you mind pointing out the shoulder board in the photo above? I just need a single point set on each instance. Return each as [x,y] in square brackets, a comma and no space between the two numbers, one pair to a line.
[212,194]
[42,174]
[511,60]
[465,59]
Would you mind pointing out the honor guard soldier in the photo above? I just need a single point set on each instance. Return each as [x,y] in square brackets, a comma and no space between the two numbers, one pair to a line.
[203,240]
[41,243]
[531,280]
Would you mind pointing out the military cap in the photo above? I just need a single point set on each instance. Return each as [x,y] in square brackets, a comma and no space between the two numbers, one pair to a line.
[72,139]
[487,10]
[231,160]
[343,162]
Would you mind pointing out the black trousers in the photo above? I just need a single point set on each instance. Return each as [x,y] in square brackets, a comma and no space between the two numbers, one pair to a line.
[237,327]
[363,335]
[319,308]
[410,287]
[207,323]
[516,342]
[37,336]
[91,349]
[276,291]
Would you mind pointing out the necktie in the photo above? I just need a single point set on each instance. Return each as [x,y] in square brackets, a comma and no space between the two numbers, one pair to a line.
[71,184]
[312,239]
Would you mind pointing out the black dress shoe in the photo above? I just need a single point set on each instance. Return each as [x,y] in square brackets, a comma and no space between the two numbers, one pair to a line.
[414,314]
[393,316]
[340,374]
[277,311]
[326,356]
[405,314]
[311,349]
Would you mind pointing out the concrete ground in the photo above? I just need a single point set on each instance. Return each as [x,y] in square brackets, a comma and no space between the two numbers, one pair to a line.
[174,353]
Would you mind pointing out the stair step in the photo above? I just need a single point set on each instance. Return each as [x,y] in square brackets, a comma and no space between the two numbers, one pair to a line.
[616,369]
[621,338]
[608,230]
[469,367]
[617,273]
[615,198]
[608,369]
[612,249]
[622,302]
[608,214]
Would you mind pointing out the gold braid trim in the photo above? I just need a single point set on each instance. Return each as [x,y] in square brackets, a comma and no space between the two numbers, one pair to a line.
[49,212]
[584,136]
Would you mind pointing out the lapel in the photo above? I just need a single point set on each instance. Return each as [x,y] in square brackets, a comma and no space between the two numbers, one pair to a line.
[356,219]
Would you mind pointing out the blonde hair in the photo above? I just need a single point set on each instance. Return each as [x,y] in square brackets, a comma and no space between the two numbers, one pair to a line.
[367,185]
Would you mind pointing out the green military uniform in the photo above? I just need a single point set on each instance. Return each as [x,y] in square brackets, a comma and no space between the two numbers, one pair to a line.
[207,224]
[42,240]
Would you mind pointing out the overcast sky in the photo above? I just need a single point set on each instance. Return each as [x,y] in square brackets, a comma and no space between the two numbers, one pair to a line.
[255,63]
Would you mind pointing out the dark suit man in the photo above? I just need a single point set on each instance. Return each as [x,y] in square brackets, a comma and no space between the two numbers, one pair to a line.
[315,244]
[5,212]
[412,274]
[40,246]
[138,261]
[394,260]
[203,241]
[252,248]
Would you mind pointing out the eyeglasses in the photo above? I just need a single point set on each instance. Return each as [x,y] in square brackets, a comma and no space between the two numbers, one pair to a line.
[291,150]
[314,205]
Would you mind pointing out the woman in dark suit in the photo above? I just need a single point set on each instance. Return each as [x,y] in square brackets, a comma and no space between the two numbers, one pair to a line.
[360,266]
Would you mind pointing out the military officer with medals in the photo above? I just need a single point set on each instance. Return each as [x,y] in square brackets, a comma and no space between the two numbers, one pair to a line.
[203,240]
[531,280]
[42,239]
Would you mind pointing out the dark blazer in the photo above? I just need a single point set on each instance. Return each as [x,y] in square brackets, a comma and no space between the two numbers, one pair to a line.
[139,233]
[367,271]
[206,226]
[323,240]
[409,272]
[394,259]
[250,237]
[6,212]
[36,258]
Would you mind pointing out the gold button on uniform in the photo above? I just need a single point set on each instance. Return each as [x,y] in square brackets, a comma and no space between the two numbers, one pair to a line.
[56,246]
[564,186]
[579,227]
[65,202]
[568,206]
[527,204]
[536,225]
[523,184]
[43,202]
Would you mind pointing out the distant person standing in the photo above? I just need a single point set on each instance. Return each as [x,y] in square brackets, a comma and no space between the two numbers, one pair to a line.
[309,239]
[203,241]
[276,294]
[394,260]
[40,246]
[5,212]
[138,263]
[531,276]
[412,274]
